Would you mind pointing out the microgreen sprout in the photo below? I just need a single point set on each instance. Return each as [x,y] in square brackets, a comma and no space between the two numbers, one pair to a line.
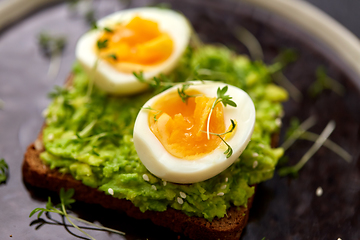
[65,201]
[139,76]
[109,30]
[113,56]
[184,97]
[156,114]
[296,131]
[323,81]
[221,97]
[4,169]
[90,18]
[229,150]
[250,42]
[93,151]
[299,131]
[283,81]
[159,83]
[293,170]
[52,47]
[285,57]
[57,92]
[102,44]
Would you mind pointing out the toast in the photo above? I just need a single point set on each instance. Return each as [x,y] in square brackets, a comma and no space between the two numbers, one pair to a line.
[228,228]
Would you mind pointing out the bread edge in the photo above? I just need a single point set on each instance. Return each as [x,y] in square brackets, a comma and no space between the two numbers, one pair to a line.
[230,227]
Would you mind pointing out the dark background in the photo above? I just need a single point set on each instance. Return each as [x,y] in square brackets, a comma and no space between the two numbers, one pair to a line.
[284,208]
[345,12]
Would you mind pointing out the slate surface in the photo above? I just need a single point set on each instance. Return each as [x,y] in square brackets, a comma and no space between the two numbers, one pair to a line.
[284,208]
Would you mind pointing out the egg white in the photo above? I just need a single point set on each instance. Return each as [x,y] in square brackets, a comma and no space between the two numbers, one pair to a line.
[170,168]
[113,81]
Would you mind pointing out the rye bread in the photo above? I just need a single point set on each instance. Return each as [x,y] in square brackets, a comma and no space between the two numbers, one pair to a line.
[36,173]
[230,227]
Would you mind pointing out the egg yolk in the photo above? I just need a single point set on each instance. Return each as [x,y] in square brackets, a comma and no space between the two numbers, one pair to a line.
[138,42]
[181,127]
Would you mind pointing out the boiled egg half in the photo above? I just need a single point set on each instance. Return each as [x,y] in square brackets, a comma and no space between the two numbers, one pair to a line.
[179,133]
[147,40]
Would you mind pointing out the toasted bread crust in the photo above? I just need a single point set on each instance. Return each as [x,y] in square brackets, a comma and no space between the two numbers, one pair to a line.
[229,227]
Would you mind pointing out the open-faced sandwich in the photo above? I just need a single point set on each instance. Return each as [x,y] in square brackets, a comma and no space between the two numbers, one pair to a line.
[160,126]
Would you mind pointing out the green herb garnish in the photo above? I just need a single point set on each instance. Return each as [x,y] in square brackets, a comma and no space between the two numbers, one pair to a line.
[159,83]
[184,97]
[58,91]
[221,97]
[4,169]
[140,76]
[113,56]
[102,44]
[300,131]
[52,47]
[250,42]
[293,170]
[108,30]
[229,150]
[156,114]
[226,100]
[323,82]
[90,18]
[65,201]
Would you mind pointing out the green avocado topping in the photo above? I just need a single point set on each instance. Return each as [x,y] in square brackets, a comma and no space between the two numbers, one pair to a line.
[91,138]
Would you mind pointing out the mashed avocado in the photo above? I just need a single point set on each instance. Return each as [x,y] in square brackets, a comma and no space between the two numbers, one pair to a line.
[91,138]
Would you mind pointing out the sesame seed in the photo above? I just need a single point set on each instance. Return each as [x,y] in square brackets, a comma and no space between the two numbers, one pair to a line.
[261,145]
[45,112]
[164,183]
[226,179]
[255,163]
[180,201]
[153,187]
[111,191]
[223,186]
[255,154]
[50,136]
[182,194]
[146,177]
[319,191]
[220,194]
[278,122]
[38,145]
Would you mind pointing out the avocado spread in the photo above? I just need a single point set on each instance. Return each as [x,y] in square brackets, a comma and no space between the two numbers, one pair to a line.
[90,137]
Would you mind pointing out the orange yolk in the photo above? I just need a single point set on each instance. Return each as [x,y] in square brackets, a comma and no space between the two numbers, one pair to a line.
[139,42]
[181,127]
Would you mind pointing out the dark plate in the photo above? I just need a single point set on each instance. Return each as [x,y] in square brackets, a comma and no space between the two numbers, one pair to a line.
[284,208]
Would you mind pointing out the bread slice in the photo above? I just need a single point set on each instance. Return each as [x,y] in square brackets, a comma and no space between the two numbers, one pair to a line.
[36,173]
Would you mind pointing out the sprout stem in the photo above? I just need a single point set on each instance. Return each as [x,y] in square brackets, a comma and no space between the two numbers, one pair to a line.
[329,144]
[315,147]
[308,123]
[250,42]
